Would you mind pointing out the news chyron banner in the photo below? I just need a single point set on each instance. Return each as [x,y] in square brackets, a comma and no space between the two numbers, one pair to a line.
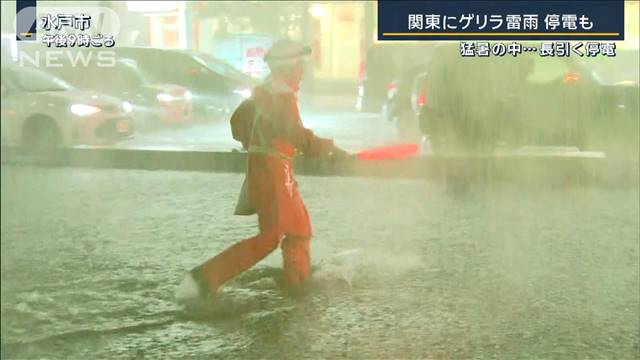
[501,20]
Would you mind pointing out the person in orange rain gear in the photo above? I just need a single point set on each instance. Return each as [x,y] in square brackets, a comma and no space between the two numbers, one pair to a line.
[269,126]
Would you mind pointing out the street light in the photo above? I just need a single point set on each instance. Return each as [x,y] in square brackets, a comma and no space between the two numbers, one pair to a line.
[317,10]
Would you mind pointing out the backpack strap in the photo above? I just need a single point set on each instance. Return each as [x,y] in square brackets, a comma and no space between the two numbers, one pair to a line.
[262,148]
[255,126]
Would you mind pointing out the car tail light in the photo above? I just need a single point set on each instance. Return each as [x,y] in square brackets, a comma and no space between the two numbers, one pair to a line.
[422,99]
[391,89]
[361,72]
[123,126]
[571,77]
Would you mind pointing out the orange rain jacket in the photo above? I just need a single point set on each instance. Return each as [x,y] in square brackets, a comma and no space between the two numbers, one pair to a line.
[278,134]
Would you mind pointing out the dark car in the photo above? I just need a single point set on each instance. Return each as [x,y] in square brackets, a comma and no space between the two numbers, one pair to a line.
[153,105]
[225,69]
[214,96]
[384,62]
[477,103]
[619,77]
[403,101]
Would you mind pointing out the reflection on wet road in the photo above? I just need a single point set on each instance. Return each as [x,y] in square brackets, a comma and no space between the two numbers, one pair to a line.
[91,259]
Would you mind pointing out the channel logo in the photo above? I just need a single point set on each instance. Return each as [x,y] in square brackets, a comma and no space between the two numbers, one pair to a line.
[26,20]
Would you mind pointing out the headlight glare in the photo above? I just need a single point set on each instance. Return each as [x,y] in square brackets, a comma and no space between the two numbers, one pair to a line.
[245,93]
[84,110]
[164,97]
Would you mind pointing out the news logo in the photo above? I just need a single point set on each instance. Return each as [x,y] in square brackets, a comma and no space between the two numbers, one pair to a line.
[26,20]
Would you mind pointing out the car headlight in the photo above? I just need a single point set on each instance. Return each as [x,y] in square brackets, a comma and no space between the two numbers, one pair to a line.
[126,106]
[245,93]
[84,110]
[188,95]
[164,97]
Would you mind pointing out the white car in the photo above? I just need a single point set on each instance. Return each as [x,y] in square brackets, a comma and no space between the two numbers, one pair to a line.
[42,111]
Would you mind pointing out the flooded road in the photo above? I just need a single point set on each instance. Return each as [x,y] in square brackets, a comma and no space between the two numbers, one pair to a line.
[91,259]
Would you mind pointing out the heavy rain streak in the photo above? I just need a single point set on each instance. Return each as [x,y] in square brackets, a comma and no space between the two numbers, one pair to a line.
[437,206]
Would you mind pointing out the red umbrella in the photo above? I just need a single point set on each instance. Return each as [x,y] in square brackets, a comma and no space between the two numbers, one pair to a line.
[398,151]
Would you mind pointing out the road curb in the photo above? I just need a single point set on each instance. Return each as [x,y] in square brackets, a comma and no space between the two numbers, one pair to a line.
[487,169]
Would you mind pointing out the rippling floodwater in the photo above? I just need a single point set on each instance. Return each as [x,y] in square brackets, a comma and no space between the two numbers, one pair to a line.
[91,259]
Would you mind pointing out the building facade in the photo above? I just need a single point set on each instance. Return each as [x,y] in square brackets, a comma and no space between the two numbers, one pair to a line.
[338,31]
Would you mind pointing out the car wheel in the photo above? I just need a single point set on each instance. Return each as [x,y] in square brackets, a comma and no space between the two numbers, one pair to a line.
[40,137]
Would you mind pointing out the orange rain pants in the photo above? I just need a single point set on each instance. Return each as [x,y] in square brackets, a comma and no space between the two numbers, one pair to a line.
[283,220]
